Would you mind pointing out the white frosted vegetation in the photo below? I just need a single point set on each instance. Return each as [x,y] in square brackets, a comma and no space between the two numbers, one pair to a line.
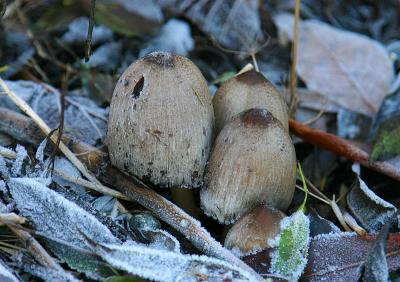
[169,266]
[54,215]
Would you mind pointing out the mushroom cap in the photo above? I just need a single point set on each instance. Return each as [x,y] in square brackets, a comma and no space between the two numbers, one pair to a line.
[253,161]
[250,234]
[246,91]
[161,121]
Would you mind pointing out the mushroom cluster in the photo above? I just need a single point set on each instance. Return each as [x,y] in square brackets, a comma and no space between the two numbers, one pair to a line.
[161,128]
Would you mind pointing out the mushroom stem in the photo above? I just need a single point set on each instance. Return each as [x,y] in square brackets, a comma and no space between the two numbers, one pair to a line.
[184,198]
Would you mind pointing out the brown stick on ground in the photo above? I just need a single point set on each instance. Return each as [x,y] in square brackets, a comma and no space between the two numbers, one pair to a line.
[23,129]
[342,148]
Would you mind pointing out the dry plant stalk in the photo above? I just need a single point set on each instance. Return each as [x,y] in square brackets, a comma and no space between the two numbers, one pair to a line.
[293,77]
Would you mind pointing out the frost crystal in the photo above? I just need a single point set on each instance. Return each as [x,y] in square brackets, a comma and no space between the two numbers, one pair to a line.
[292,244]
[169,266]
[55,216]
[6,275]
[16,169]
[40,151]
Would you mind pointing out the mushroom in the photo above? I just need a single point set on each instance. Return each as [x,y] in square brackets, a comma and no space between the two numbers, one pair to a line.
[250,234]
[245,91]
[161,121]
[253,162]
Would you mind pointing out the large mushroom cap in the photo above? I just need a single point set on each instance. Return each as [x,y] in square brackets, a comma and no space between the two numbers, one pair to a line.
[246,91]
[253,161]
[161,121]
[250,234]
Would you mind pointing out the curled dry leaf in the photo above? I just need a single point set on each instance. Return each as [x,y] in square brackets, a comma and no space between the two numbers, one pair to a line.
[349,69]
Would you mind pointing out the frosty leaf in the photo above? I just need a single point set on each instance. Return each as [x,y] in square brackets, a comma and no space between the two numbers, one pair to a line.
[18,163]
[106,57]
[5,274]
[369,209]
[4,171]
[352,125]
[290,258]
[123,279]
[48,274]
[376,268]
[169,266]
[77,32]
[340,256]
[174,37]
[55,216]
[79,259]
[235,24]
[320,225]
[66,167]
[40,151]
[347,68]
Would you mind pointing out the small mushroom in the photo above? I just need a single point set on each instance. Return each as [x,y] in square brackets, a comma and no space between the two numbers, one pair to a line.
[161,121]
[253,162]
[250,234]
[246,91]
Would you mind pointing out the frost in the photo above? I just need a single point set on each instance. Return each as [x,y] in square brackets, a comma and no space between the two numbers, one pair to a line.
[40,151]
[290,258]
[78,28]
[22,155]
[55,216]
[4,171]
[163,240]
[48,274]
[66,167]
[6,275]
[175,37]
[369,209]
[106,57]
[168,266]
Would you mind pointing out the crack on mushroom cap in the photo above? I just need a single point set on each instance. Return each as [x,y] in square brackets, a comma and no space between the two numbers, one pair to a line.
[162,59]
[259,117]
[251,77]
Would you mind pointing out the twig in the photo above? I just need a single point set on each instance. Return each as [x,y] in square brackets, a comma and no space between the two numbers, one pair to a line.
[46,129]
[161,207]
[33,246]
[7,153]
[88,49]
[342,148]
[313,195]
[293,77]
[11,217]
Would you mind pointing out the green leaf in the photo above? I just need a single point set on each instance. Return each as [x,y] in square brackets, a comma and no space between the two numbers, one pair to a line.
[303,205]
[224,77]
[290,257]
[125,278]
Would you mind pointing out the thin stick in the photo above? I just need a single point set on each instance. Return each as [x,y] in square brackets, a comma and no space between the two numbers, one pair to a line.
[293,77]
[46,129]
[313,195]
[342,148]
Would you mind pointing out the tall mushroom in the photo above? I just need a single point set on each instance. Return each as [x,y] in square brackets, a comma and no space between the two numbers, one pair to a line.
[253,161]
[161,121]
[246,91]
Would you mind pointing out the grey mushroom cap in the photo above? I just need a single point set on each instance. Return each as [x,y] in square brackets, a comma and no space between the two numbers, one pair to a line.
[161,121]
[253,161]
[246,91]
[251,233]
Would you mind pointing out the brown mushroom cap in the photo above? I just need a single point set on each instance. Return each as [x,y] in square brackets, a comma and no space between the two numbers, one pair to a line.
[253,161]
[250,234]
[246,91]
[161,121]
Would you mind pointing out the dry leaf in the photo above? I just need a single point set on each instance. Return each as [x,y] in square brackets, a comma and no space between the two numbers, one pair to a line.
[349,69]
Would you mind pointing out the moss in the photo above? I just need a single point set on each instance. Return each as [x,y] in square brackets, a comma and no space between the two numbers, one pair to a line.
[387,145]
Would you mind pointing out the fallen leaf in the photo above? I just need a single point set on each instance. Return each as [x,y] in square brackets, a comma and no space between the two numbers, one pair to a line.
[6,274]
[347,68]
[234,24]
[371,211]
[340,256]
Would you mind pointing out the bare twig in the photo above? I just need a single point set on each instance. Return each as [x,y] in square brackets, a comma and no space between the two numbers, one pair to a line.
[293,77]
[342,148]
[12,218]
[88,49]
